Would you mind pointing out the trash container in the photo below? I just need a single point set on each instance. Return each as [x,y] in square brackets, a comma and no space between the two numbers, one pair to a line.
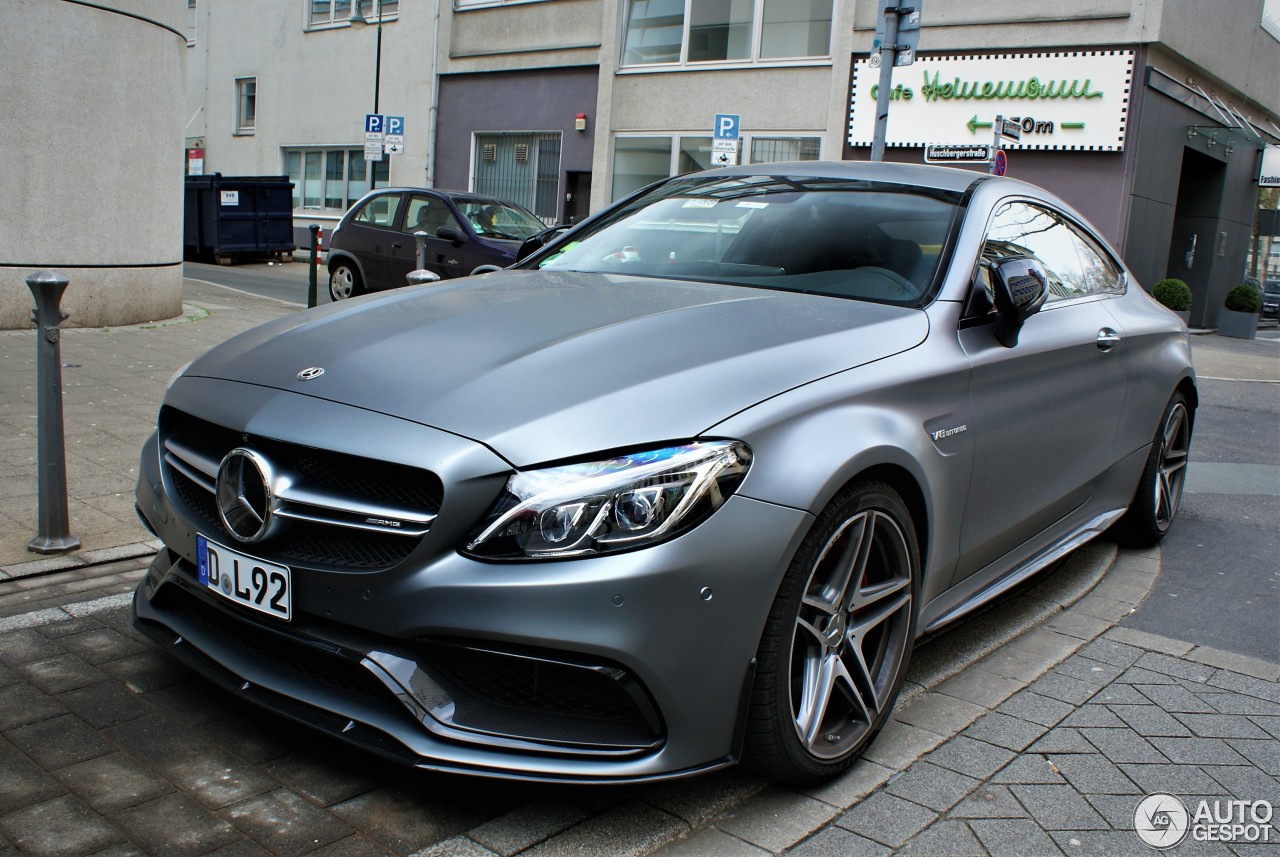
[227,217]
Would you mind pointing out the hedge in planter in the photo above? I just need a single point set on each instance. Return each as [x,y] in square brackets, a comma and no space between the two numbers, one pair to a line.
[1173,293]
[1239,316]
[1243,298]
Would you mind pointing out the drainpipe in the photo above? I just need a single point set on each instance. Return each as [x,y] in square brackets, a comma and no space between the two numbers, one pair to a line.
[435,101]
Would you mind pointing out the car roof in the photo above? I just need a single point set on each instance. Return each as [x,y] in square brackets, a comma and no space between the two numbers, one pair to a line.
[455,194]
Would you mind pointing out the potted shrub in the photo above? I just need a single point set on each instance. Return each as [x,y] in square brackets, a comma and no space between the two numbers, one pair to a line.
[1174,294]
[1239,315]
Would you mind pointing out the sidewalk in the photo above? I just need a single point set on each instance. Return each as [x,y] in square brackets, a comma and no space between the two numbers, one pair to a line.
[113,380]
[1034,728]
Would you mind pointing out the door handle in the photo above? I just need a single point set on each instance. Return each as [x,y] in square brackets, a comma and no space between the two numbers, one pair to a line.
[1107,339]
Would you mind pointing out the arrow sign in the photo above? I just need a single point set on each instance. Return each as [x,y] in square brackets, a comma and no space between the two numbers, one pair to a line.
[973,124]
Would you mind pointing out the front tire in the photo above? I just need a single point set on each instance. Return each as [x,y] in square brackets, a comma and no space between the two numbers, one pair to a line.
[839,635]
[1160,491]
[344,281]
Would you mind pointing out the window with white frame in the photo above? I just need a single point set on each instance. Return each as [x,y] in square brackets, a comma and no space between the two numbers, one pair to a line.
[472,4]
[246,104]
[331,180]
[323,12]
[727,31]
[639,161]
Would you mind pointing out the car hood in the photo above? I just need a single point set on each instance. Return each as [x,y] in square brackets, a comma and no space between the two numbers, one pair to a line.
[544,365]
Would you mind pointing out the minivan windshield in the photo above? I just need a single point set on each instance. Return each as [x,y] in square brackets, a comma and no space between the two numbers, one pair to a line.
[867,241]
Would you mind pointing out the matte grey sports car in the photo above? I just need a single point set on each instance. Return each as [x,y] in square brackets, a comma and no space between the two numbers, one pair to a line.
[680,489]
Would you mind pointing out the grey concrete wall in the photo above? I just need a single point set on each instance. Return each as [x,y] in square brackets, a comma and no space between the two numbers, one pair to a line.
[91,157]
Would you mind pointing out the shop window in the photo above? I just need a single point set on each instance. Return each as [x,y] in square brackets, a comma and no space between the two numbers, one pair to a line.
[767,150]
[727,31]
[331,180]
[639,161]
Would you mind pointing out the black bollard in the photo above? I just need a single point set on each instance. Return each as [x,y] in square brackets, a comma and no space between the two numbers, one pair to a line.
[315,261]
[54,534]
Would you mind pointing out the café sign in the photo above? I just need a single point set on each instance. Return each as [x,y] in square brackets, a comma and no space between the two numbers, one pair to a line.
[1068,100]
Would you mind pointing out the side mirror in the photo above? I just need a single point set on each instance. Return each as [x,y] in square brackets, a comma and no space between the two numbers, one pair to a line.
[450,233]
[1021,287]
[536,242]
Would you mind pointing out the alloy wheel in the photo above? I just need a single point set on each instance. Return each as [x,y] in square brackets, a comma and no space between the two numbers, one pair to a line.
[850,636]
[1171,468]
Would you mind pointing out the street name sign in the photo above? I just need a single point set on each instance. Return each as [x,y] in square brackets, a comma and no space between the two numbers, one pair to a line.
[963,153]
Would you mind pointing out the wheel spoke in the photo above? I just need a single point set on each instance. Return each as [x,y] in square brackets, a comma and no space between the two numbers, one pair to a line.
[829,593]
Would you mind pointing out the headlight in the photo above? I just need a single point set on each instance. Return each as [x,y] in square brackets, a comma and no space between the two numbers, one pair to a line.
[618,504]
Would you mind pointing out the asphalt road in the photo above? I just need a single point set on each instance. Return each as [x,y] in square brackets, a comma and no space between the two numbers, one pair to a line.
[1221,581]
[284,281]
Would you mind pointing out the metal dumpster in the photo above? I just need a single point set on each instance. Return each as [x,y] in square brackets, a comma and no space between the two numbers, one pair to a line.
[229,217]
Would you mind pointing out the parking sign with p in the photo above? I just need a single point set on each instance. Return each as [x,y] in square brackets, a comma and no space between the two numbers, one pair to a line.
[726,126]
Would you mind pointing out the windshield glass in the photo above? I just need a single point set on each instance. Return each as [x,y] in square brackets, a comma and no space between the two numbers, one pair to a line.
[823,236]
[494,219]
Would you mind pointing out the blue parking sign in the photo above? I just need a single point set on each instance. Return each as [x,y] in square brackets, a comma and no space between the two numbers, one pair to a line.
[395,126]
[726,126]
[373,123]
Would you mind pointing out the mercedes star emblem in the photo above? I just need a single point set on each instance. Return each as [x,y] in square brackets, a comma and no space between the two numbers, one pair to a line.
[245,501]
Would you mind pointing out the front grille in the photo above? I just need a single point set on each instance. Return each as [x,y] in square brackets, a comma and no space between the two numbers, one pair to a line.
[337,514]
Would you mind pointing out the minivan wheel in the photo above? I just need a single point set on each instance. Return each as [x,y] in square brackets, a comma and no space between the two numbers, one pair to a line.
[838,637]
[344,281]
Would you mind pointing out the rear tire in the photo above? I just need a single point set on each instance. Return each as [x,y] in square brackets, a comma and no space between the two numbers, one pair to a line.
[344,281]
[838,637]
[1160,490]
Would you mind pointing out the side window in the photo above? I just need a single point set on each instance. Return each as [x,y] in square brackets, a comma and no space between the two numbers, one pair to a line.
[428,214]
[1021,229]
[1101,272]
[379,211]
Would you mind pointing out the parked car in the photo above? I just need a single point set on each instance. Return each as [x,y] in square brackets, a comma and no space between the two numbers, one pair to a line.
[1271,299]
[679,489]
[373,246]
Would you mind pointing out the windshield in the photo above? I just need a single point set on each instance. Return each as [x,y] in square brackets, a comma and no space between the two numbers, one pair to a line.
[823,236]
[494,219]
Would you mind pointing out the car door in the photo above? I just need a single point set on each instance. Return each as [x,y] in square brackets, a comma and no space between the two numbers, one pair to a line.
[369,236]
[429,213]
[1044,412]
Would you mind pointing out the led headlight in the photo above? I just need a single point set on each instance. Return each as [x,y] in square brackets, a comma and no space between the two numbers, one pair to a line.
[621,503]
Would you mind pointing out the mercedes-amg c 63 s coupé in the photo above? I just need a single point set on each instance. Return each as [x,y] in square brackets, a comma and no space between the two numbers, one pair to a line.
[679,489]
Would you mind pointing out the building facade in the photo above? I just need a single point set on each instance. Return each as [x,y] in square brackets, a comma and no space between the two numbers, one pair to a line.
[1150,116]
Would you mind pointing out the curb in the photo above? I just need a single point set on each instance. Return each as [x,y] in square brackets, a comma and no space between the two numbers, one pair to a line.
[83,561]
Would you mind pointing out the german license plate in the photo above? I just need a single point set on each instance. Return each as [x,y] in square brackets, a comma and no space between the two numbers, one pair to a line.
[250,582]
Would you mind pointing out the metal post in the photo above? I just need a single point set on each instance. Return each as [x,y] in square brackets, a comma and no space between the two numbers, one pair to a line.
[420,238]
[54,533]
[315,261]
[995,142]
[888,53]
